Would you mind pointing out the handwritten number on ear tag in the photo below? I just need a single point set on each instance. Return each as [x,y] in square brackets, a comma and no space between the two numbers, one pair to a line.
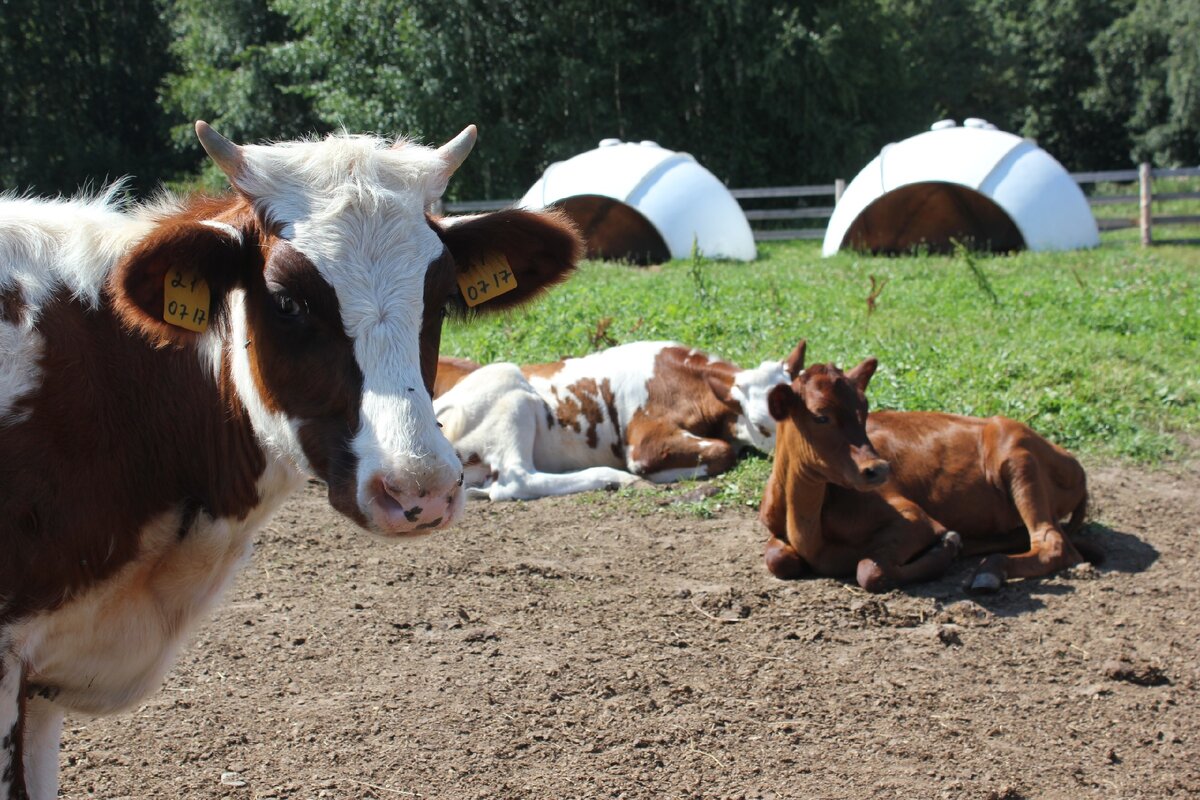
[186,300]
[487,280]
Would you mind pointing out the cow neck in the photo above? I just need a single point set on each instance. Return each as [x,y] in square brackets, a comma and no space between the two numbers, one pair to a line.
[804,487]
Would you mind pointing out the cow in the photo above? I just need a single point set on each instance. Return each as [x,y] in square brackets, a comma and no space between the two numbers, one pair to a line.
[659,411]
[169,372]
[893,497]
[451,370]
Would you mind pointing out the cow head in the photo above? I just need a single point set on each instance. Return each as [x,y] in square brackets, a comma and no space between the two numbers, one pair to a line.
[827,409]
[324,286]
[746,396]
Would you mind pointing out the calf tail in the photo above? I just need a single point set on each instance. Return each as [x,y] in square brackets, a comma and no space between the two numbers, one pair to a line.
[1075,523]
[1086,546]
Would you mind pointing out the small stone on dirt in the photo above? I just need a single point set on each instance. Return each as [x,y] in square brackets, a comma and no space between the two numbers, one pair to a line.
[231,779]
[948,635]
[1139,674]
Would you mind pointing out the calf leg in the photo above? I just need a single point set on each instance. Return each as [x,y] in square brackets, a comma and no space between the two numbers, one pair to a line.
[678,456]
[521,485]
[1049,548]
[12,771]
[783,561]
[915,547]
[43,729]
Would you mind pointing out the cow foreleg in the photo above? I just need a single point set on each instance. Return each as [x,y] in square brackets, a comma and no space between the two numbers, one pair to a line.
[1050,550]
[12,709]
[679,457]
[915,547]
[43,729]
[520,485]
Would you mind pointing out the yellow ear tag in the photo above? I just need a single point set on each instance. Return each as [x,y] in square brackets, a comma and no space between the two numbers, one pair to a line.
[186,300]
[487,280]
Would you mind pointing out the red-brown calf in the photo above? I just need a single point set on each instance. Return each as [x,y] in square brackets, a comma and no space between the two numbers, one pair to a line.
[894,496]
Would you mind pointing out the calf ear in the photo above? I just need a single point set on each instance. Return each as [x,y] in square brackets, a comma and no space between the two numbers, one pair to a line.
[861,375]
[174,284]
[779,402]
[794,363]
[508,257]
[722,388]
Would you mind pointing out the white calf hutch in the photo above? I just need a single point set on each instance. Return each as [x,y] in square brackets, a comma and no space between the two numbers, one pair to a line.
[972,184]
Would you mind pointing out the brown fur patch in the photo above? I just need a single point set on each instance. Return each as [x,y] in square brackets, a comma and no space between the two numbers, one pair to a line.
[12,306]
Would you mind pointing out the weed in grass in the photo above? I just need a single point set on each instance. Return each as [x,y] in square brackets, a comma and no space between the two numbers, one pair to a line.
[967,256]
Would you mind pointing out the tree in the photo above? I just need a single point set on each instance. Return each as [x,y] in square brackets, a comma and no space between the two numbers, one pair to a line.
[78,85]
[1148,80]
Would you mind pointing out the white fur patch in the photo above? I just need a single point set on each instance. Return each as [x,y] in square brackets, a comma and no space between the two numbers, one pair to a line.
[48,245]
[109,647]
[43,731]
[10,705]
[628,369]
[750,390]
[20,349]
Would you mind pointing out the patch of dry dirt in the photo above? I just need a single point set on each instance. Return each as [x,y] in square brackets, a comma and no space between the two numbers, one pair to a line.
[574,648]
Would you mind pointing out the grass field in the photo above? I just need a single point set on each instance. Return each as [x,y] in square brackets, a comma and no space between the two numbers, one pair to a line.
[1099,350]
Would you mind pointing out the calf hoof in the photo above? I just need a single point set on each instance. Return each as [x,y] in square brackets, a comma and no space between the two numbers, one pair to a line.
[952,541]
[985,582]
[989,576]
[870,576]
[782,561]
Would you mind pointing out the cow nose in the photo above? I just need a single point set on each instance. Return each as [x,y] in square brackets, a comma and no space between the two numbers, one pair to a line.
[876,473]
[404,505]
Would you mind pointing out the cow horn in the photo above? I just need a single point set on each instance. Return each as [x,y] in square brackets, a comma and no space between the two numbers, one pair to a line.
[455,151]
[226,154]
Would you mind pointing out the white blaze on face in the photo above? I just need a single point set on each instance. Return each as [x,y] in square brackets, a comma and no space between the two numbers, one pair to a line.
[755,427]
[356,210]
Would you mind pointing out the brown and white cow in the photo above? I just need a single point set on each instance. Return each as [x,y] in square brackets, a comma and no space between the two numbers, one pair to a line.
[655,410]
[893,496]
[169,373]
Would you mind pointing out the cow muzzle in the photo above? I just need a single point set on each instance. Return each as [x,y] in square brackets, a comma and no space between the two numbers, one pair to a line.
[406,504]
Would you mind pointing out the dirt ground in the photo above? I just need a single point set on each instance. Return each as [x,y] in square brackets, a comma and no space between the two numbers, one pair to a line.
[576,647]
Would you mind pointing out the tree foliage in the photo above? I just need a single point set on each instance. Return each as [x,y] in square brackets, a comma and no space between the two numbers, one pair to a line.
[760,91]
[79,93]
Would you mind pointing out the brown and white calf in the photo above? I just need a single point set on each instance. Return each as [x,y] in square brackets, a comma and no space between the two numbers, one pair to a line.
[892,497]
[655,410]
[169,373]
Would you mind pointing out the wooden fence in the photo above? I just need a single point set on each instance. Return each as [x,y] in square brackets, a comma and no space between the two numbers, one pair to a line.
[799,210]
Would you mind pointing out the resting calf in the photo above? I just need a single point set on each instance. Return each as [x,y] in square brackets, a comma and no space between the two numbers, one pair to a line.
[656,410]
[892,497]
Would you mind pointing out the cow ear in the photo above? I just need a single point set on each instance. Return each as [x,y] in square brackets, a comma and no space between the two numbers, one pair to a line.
[779,402]
[174,285]
[794,363]
[722,388]
[861,375]
[508,257]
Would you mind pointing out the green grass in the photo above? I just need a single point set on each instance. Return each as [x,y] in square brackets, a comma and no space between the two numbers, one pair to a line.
[1098,350]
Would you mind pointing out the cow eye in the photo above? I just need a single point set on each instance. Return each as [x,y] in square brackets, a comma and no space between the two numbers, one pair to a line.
[821,419]
[287,305]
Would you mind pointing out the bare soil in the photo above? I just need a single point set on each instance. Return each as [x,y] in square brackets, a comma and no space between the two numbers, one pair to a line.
[594,647]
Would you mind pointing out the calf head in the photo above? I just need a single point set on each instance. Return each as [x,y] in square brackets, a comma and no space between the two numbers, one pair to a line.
[745,394]
[826,410]
[320,299]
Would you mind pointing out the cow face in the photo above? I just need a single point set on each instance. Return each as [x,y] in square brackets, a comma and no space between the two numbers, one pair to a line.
[828,409]
[328,284]
[747,395]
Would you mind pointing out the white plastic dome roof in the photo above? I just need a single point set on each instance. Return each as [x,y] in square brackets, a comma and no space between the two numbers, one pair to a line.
[1013,194]
[681,200]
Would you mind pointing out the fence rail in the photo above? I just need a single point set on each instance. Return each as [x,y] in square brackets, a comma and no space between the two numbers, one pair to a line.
[1143,176]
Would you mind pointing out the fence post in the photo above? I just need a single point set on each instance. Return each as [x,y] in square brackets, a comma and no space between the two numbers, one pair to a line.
[839,187]
[1144,198]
